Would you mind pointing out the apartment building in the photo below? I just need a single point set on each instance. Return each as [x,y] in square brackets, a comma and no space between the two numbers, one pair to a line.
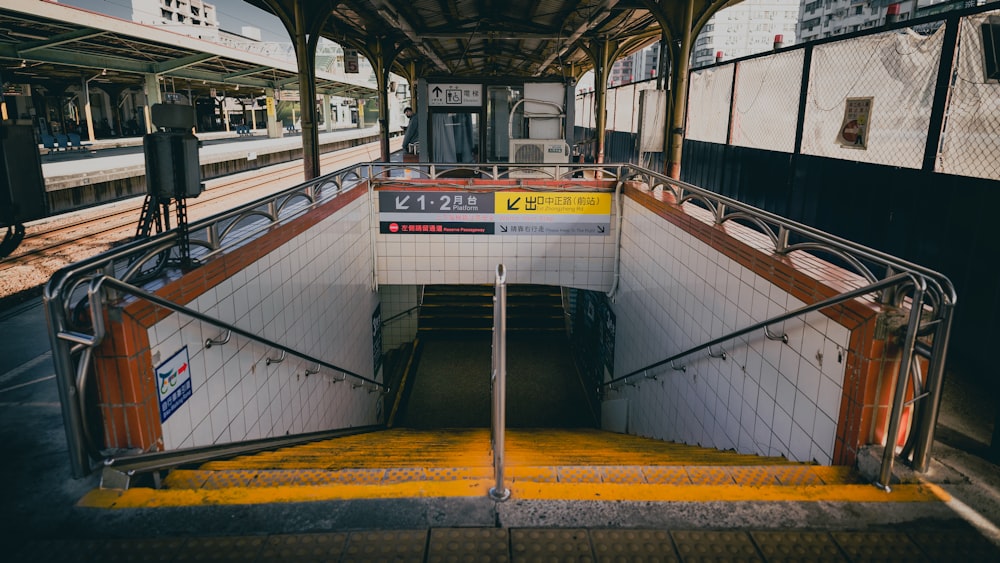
[746,29]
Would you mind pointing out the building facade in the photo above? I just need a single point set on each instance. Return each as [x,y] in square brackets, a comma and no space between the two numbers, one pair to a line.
[746,29]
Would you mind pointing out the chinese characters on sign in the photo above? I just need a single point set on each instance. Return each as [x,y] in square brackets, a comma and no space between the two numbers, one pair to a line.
[501,213]
[455,95]
[173,383]
[857,118]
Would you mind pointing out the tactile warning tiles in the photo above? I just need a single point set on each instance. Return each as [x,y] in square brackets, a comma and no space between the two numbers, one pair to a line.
[622,474]
[579,474]
[550,545]
[698,546]
[398,546]
[878,546]
[303,548]
[229,479]
[956,545]
[709,476]
[792,475]
[468,544]
[309,477]
[753,476]
[792,547]
[633,545]
[666,475]
[222,549]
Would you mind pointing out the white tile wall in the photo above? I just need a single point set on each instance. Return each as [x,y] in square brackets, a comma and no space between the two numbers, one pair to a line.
[395,300]
[767,398]
[584,262]
[312,294]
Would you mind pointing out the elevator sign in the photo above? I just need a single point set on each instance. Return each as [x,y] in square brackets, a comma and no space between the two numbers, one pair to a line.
[455,95]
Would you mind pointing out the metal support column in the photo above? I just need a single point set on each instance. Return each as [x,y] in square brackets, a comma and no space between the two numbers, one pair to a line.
[679,76]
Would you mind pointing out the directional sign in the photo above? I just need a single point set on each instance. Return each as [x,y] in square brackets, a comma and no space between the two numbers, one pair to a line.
[495,213]
[549,203]
[435,202]
[455,95]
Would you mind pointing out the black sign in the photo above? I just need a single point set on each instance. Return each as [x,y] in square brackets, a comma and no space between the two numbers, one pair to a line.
[435,202]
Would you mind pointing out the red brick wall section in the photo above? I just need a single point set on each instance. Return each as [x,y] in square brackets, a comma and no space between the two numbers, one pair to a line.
[126,386]
[871,365]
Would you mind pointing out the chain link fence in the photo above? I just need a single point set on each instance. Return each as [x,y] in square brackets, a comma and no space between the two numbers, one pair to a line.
[766,105]
[970,143]
[868,98]
[710,95]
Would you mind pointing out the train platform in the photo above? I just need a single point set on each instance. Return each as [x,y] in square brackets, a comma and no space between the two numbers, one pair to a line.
[42,517]
[109,169]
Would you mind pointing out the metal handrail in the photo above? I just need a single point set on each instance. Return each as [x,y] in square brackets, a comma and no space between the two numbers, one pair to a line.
[72,347]
[120,472]
[96,305]
[499,384]
[839,298]
[928,285]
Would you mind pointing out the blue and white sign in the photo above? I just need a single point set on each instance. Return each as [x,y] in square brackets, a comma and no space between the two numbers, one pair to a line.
[173,383]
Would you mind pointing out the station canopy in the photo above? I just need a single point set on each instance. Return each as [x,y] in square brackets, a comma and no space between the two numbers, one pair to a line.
[48,44]
[475,38]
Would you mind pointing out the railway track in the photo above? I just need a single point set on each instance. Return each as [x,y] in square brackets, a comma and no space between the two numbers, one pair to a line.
[52,243]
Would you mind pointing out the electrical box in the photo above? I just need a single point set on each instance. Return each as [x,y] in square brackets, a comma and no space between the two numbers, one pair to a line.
[22,187]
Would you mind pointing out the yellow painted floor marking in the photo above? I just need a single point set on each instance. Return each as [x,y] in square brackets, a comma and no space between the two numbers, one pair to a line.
[150,498]
[725,493]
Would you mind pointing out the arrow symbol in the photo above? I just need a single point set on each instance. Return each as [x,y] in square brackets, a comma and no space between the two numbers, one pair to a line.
[512,205]
[503,228]
[600,228]
[401,202]
[437,91]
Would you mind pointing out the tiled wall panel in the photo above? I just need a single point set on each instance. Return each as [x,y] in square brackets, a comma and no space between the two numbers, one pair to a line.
[396,300]
[312,293]
[585,262]
[766,397]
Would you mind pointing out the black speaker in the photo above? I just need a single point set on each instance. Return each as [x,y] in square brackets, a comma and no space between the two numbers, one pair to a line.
[22,187]
[172,165]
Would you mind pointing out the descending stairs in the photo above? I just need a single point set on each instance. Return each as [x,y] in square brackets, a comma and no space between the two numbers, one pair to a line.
[467,310]
[542,464]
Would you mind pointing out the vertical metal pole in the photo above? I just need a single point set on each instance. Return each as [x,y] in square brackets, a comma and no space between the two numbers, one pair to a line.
[499,492]
[680,86]
[941,90]
[62,357]
[906,357]
[935,380]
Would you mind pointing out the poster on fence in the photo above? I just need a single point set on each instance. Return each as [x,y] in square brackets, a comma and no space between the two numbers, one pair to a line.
[854,129]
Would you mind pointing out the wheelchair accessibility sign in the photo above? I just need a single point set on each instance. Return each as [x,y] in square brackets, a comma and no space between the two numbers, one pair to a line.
[173,383]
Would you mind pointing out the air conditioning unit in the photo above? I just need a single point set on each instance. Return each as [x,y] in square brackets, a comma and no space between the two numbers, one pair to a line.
[539,151]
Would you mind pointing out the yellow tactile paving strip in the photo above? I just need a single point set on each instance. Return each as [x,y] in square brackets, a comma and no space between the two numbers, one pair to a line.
[530,544]
[542,465]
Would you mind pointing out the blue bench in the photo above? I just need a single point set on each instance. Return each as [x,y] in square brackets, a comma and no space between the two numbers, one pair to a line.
[244,131]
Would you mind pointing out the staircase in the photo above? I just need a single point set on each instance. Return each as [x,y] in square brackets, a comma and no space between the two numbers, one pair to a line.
[541,464]
[451,311]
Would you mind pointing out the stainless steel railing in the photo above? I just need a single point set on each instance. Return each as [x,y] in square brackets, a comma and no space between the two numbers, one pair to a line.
[73,337]
[930,296]
[498,382]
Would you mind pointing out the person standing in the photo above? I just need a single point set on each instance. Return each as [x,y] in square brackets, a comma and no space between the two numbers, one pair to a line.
[412,134]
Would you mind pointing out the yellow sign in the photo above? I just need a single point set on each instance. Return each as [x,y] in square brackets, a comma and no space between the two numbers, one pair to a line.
[270,107]
[553,203]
